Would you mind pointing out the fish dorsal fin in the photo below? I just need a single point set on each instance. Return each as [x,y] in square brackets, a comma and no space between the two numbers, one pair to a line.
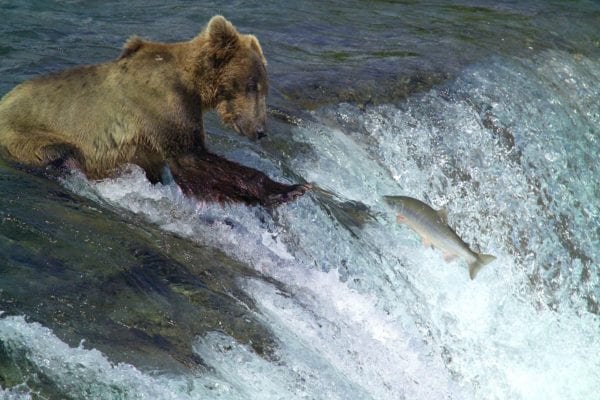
[443,215]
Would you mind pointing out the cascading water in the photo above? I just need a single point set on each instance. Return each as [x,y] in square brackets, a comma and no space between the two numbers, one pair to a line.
[373,314]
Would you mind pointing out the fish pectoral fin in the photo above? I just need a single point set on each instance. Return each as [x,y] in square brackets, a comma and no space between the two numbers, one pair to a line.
[426,242]
[449,257]
[400,219]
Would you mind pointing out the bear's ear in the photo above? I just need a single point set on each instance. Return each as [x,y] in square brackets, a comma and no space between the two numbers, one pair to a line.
[255,45]
[132,45]
[221,33]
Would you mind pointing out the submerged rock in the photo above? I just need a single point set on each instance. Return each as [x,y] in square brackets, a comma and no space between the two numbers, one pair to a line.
[135,293]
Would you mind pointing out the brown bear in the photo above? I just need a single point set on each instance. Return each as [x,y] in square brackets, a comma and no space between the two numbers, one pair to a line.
[146,108]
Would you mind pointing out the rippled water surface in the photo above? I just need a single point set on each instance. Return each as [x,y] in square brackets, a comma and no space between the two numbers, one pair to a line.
[119,289]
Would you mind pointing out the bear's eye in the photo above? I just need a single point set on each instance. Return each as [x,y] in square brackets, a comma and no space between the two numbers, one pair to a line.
[252,86]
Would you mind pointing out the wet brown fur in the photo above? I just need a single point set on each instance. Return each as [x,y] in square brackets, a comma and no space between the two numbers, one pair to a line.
[146,108]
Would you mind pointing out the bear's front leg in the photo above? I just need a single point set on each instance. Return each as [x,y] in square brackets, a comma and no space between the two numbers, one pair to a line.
[213,178]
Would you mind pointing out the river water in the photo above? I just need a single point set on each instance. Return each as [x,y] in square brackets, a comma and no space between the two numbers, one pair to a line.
[122,290]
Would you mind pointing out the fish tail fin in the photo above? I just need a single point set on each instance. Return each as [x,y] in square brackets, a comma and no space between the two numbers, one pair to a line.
[481,261]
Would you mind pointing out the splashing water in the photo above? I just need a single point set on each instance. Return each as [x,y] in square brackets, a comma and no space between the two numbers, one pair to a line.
[509,148]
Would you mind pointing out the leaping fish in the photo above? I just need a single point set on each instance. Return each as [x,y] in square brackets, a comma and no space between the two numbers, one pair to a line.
[433,228]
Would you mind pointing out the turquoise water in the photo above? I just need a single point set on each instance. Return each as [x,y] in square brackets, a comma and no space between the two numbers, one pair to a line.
[123,290]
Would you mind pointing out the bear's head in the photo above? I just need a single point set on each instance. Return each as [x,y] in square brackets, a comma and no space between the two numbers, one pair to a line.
[240,75]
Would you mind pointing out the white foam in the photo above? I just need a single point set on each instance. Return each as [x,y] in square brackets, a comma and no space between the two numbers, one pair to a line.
[326,320]
[380,316]
[84,373]
[18,392]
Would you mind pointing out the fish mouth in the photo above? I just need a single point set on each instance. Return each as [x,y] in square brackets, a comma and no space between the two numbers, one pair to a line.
[394,204]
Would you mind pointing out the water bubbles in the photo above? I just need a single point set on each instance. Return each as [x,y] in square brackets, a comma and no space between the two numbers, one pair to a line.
[534,194]
[552,156]
[370,313]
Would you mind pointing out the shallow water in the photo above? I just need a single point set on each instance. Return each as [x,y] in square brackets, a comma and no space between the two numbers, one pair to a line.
[121,290]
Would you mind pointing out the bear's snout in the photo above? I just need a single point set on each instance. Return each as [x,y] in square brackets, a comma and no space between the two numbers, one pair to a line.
[260,133]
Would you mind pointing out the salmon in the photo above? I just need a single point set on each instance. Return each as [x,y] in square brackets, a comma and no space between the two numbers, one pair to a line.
[432,227]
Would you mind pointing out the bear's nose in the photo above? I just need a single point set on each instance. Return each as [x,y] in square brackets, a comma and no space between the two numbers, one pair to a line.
[260,133]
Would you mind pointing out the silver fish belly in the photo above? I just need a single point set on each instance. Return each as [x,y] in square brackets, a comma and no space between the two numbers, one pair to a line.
[432,227]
